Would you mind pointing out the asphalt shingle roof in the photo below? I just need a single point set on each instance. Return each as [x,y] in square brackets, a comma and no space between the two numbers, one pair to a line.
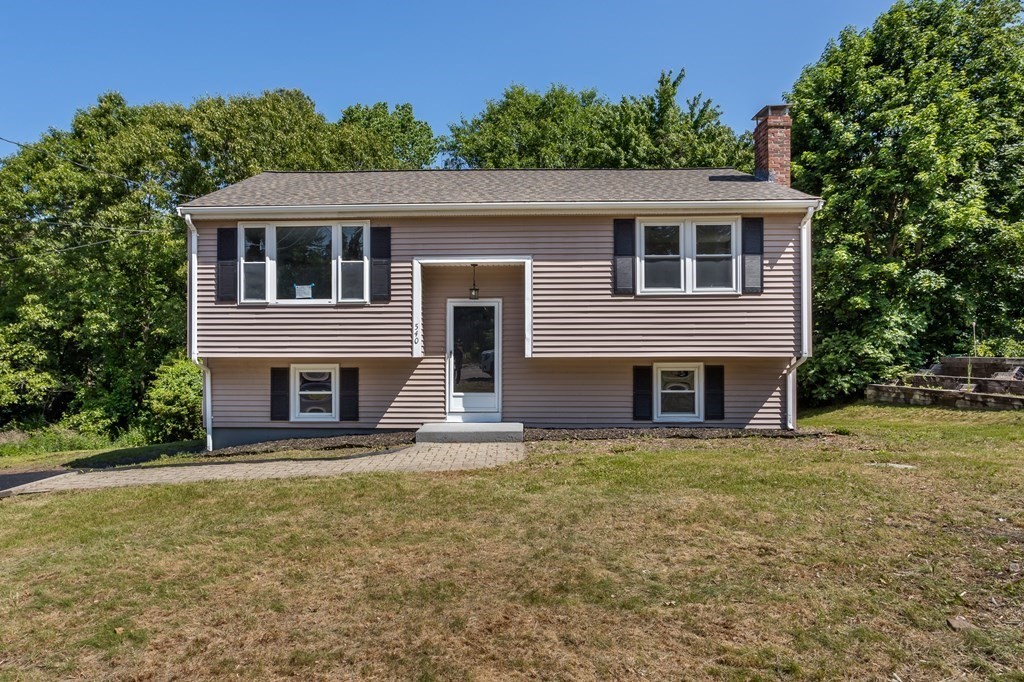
[494,186]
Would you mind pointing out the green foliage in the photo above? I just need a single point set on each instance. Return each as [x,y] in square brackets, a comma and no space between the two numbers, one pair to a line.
[562,128]
[53,438]
[174,402]
[911,132]
[1005,347]
[92,277]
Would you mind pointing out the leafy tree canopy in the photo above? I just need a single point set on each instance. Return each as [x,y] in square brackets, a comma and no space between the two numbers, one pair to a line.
[911,130]
[92,277]
[562,128]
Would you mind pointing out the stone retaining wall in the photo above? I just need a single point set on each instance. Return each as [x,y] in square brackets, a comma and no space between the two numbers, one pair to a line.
[954,382]
[980,367]
[913,395]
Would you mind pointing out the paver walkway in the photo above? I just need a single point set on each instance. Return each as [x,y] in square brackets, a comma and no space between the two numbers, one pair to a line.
[420,457]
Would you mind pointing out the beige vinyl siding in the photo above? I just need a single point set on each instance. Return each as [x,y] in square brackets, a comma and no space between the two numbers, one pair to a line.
[397,393]
[301,331]
[574,312]
[404,393]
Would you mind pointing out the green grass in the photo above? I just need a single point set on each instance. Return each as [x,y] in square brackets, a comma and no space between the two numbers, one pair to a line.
[740,559]
[57,447]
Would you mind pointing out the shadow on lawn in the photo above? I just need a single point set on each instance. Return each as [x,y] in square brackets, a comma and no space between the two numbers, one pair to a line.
[136,455]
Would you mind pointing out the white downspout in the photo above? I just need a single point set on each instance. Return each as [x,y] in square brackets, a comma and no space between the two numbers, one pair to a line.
[805,315]
[193,316]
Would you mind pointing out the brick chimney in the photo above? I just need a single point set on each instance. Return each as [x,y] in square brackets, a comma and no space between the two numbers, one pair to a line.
[771,144]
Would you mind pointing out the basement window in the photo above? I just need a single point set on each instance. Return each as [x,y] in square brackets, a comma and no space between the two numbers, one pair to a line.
[679,392]
[314,391]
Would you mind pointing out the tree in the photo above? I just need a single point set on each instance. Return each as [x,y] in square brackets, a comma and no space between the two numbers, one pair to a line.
[911,131]
[557,129]
[562,128]
[92,279]
[372,137]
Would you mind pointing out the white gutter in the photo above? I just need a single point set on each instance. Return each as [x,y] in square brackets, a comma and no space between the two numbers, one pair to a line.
[193,345]
[501,208]
[805,280]
[805,314]
[791,392]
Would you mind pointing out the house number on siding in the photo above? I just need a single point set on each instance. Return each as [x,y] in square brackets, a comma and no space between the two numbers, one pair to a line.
[416,334]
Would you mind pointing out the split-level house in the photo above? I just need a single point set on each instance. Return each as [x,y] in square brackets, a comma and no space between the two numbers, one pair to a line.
[322,303]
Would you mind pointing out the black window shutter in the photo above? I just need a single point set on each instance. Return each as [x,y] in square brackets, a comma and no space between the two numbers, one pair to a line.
[380,264]
[227,264]
[625,256]
[349,394]
[753,255]
[714,392]
[280,399]
[643,393]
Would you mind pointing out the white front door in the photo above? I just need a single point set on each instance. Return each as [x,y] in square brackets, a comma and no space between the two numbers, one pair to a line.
[474,360]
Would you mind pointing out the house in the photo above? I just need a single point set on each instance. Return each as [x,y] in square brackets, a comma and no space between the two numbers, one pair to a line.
[320,303]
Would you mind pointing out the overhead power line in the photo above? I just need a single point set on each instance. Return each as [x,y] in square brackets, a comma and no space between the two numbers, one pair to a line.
[77,246]
[85,166]
[96,226]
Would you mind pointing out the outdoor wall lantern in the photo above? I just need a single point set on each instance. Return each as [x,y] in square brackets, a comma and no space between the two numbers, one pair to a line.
[474,292]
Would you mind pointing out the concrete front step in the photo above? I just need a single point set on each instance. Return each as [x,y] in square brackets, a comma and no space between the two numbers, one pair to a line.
[462,432]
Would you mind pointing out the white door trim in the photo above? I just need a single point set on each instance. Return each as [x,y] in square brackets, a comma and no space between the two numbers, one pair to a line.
[417,293]
[469,415]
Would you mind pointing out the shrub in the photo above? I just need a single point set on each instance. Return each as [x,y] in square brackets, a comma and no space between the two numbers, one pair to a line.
[92,421]
[1005,347]
[53,438]
[174,402]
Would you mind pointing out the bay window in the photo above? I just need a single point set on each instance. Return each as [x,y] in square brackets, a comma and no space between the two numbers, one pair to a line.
[304,263]
[688,256]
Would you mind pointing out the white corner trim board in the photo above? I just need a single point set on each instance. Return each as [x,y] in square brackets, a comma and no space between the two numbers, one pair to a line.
[193,316]
[417,293]
[193,284]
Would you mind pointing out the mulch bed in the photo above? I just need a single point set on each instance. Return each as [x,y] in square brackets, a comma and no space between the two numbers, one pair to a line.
[387,440]
[701,433]
[384,440]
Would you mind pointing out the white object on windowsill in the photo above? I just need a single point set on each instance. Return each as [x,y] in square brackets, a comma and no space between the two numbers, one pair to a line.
[303,290]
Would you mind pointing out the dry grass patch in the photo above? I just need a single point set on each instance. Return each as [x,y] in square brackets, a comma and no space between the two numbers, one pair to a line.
[738,559]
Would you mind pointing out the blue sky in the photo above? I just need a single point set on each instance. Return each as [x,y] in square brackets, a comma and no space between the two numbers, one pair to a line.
[444,58]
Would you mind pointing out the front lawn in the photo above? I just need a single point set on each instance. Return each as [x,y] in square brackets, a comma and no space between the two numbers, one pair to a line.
[727,559]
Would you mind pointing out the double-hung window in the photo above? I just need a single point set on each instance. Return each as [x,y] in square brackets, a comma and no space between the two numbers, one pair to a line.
[679,392]
[688,256]
[254,264]
[314,392]
[353,263]
[304,263]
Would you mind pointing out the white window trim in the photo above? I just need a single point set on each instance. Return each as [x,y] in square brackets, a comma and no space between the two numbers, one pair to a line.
[365,225]
[293,393]
[698,369]
[271,260]
[688,247]
[241,261]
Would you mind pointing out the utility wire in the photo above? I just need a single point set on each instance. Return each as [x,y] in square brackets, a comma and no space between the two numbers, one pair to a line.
[70,248]
[88,225]
[85,166]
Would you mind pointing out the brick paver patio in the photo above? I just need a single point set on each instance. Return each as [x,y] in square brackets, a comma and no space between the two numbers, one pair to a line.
[420,457]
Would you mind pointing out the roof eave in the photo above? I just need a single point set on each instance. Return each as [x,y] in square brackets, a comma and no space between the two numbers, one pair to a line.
[499,208]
